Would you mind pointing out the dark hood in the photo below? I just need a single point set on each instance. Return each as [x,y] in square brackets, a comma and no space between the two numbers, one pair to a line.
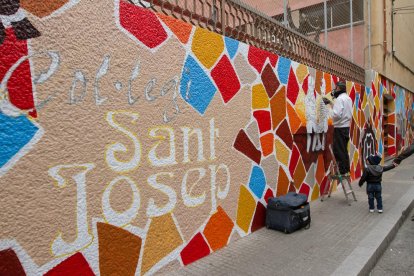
[375,169]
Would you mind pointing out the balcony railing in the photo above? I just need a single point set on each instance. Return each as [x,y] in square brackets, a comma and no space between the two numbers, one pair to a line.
[235,19]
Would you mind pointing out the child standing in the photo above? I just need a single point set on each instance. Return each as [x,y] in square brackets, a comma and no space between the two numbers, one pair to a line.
[373,176]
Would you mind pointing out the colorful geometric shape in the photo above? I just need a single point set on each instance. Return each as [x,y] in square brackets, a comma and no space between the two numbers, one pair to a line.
[74,265]
[257,181]
[245,146]
[226,79]
[181,29]
[10,263]
[259,217]
[244,71]
[266,142]
[315,192]
[282,182]
[283,68]
[118,250]
[162,238]
[142,23]
[196,249]
[292,88]
[207,46]
[232,45]
[294,159]
[269,80]
[263,120]
[42,8]
[260,98]
[304,189]
[282,152]
[295,121]
[278,107]
[196,87]
[268,194]
[299,174]
[245,209]
[283,131]
[16,132]
[218,229]
[257,58]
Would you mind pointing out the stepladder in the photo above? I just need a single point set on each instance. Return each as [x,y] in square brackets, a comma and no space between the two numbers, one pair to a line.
[343,180]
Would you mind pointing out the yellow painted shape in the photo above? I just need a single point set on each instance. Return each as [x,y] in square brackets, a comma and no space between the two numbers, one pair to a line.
[349,86]
[377,103]
[207,46]
[300,107]
[278,107]
[356,158]
[162,238]
[364,102]
[260,99]
[301,72]
[315,192]
[355,114]
[245,209]
[282,152]
[299,174]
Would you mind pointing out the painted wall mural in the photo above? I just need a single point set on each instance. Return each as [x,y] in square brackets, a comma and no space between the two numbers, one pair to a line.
[132,143]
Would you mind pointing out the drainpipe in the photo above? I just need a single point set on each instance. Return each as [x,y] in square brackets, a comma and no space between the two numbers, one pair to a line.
[392,28]
[369,36]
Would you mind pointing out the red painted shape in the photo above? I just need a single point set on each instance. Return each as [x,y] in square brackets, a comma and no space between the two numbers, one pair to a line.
[304,189]
[10,263]
[142,24]
[283,131]
[257,58]
[391,150]
[75,265]
[268,194]
[374,91]
[358,171]
[196,249]
[246,146]
[226,79]
[19,85]
[352,95]
[263,120]
[305,85]
[323,185]
[292,87]
[259,217]
[294,160]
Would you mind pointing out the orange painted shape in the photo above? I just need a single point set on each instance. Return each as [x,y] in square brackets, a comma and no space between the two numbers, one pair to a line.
[391,119]
[267,142]
[245,209]
[162,238]
[42,8]
[318,81]
[320,169]
[181,29]
[118,250]
[299,174]
[278,107]
[282,183]
[294,120]
[328,82]
[315,192]
[218,229]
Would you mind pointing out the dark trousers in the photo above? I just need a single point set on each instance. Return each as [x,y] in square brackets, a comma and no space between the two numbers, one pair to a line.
[340,148]
[374,191]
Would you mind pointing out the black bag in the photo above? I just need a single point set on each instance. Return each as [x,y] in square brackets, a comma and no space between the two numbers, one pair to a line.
[288,213]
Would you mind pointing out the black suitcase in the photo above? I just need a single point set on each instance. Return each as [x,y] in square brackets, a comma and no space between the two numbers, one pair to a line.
[288,213]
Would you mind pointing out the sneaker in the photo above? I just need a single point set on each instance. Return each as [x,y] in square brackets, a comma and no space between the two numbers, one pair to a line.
[371,210]
[380,211]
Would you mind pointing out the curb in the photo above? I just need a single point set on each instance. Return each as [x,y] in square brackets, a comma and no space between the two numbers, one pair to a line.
[364,257]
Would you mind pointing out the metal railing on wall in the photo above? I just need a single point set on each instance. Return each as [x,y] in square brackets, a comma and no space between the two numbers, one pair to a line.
[237,20]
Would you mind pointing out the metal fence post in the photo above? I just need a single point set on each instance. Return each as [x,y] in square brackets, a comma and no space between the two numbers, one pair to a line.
[351,29]
[325,19]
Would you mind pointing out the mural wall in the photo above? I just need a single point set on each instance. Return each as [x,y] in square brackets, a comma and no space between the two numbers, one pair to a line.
[133,143]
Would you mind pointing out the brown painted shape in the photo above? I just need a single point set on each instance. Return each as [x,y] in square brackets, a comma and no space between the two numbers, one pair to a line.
[259,217]
[162,238]
[283,132]
[118,250]
[278,107]
[10,263]
[42,8]
[282,182]
[269,80]
[245,146]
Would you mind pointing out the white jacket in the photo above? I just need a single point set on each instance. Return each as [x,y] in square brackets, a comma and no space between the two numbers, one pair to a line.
[341,112]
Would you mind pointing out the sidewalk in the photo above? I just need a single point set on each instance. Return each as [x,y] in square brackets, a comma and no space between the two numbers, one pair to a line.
[342,239]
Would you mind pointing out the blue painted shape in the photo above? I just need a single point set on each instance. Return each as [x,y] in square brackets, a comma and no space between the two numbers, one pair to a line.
[356,101]
[196,87]
[381,90]
[380,147]
[283,68]
[15,133]
[232,45]
[367,90]
[257,181]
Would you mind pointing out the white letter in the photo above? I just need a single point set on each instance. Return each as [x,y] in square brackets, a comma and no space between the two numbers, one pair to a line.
[152,156]
[124,218]
[152,209]
[112,161]
[187,134]
[191,201]
[83,238]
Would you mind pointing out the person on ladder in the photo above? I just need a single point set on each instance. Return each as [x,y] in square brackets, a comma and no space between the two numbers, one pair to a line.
[341,113]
